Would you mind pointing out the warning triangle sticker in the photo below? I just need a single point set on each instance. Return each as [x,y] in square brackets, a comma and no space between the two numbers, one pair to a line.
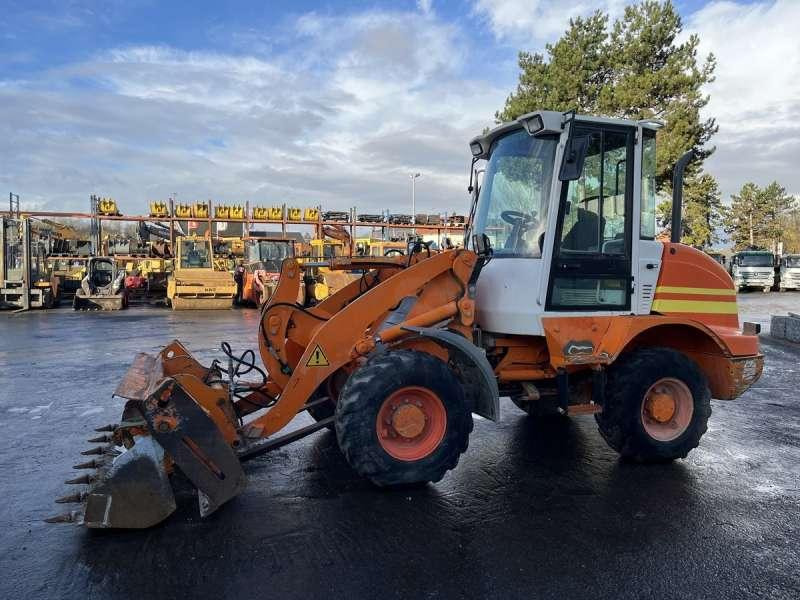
[318,358]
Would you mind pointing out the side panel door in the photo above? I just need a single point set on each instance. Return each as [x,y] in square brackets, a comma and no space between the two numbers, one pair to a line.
[591,267]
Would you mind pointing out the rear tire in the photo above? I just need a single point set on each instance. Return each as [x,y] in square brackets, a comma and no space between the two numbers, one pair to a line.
[629,423]
[370,427]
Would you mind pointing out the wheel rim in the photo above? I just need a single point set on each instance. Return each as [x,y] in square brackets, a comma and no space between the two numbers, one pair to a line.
[667,409]
[411,423]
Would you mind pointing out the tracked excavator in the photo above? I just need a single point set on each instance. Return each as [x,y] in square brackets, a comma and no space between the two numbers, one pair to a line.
[563,301]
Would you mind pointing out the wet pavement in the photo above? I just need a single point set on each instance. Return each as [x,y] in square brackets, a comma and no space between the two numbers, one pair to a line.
[532,511]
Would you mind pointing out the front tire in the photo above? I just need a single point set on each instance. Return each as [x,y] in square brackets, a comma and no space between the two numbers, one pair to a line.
[657,405]
[402,418]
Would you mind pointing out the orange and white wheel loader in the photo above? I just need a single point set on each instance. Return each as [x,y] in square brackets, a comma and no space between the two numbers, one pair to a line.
[562,301]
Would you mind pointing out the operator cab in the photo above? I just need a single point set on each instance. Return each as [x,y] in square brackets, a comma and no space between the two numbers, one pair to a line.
[102,272]
[568,204]
[195,254]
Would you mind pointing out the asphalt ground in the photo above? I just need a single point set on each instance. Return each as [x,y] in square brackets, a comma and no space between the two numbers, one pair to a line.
[532,511]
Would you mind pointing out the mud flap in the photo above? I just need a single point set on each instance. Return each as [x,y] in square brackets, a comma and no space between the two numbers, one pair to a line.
[134,492]
[195,444]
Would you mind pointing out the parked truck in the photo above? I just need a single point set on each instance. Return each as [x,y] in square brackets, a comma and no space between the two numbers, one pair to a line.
[789,274]
[753,269]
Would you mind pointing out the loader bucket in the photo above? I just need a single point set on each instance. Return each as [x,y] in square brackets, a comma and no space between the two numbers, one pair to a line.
[165,424]
[98,302]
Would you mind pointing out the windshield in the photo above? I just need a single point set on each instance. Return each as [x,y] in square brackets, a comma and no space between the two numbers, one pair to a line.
[792,261]
[512,206]
[270,252]
[195,254]
[755,260]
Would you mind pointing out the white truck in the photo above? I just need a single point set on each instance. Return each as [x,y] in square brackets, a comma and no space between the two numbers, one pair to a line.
[789,275]
[753,269]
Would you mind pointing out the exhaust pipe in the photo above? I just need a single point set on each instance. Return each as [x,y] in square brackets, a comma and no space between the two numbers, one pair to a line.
[677,196]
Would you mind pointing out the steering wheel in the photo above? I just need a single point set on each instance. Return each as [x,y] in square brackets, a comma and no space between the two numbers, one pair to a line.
[391,251]
[520,223]
[517,218]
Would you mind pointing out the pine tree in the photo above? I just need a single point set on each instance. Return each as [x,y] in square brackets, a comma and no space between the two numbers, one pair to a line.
[702,212]
[636,71]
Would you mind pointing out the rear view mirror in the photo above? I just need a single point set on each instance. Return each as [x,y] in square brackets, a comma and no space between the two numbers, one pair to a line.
[574,156]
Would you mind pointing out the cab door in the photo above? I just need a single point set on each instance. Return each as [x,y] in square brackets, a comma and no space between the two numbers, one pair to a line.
[591,265]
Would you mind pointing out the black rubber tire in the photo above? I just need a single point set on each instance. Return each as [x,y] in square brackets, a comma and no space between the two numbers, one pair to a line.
[322,411]
[629,378]
[361,399]
[328,409]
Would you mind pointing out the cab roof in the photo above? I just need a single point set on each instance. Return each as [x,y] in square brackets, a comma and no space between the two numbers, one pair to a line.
[552,123]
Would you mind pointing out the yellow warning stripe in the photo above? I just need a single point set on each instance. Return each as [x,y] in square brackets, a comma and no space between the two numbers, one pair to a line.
[694,306]
[671,289]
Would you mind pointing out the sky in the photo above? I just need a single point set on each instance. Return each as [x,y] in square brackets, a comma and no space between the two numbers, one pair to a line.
[329,103]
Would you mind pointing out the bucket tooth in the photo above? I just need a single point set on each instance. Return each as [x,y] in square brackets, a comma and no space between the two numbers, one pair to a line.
[80,480]
[92,464]
[72,498]
[95,450]
[70,517]
[100,439]
[111,427]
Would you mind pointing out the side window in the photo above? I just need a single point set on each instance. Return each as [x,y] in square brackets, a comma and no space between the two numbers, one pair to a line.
[647,230]
[594,213]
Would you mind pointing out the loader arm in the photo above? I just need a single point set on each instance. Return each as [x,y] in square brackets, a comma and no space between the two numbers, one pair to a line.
[331,341]
[205,421]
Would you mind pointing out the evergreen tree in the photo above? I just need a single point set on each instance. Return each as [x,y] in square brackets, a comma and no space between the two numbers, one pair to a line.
[636,70]
[758,217]
[702,212]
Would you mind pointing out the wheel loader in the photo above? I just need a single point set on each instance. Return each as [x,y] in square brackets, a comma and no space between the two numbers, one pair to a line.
[258,274]
[195,283]
[562,301]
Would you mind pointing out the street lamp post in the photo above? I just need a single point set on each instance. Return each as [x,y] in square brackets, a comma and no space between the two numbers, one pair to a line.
[413,201]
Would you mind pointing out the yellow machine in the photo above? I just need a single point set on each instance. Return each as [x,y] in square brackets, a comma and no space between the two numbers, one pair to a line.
[69,272]
[372,247]
[195,283]
[335,243]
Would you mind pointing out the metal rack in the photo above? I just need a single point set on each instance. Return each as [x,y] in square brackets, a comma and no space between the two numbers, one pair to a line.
[97,219]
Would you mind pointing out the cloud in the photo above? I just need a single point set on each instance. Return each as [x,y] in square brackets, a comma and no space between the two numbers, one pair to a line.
[532,23]
[338,118]
[756,95]
[425,6]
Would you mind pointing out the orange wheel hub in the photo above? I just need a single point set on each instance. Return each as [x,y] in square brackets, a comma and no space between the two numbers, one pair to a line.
[411,423]
[667,409]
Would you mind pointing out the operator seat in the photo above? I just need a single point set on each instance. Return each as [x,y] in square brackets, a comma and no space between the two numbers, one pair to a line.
[585,232]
